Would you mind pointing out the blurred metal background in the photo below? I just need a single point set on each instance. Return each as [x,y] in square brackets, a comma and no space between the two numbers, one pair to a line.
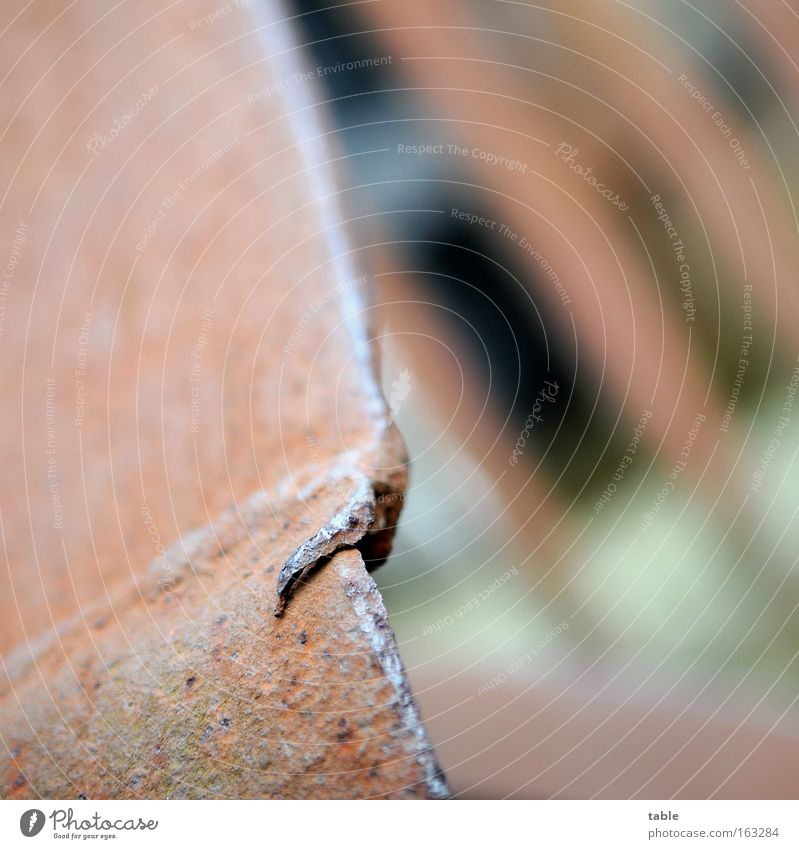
[581,217]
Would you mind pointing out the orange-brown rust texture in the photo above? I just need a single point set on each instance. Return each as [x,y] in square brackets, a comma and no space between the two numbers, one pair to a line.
[190,395]
[201,692]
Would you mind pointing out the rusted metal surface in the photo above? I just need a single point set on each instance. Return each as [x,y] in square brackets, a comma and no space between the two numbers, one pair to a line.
[202,692]
[189,386]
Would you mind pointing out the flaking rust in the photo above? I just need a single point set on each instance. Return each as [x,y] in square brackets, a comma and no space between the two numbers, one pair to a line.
[365,522]
[345,530]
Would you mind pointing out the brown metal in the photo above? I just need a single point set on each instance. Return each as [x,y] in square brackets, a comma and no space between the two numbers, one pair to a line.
[190,395]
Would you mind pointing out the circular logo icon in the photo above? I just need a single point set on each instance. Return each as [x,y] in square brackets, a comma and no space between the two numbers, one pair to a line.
[31,822]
